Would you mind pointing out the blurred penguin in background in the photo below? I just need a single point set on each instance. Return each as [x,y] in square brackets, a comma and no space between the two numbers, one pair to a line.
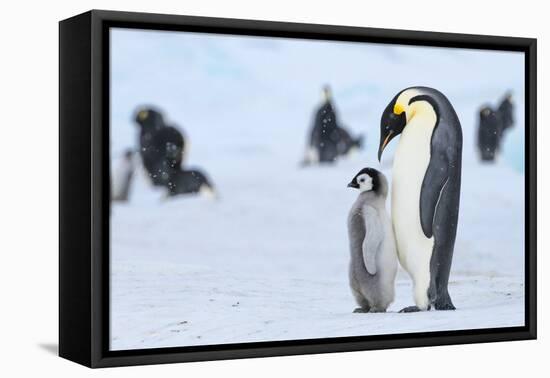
[161,146]
[489,133]
[323,141]
[328,139]
[123,173]
[506,110]
[492,127]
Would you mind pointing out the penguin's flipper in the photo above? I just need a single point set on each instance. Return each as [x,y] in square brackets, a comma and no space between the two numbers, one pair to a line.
[433,185]
[373,239]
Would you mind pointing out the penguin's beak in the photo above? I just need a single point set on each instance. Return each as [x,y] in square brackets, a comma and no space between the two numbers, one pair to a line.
[353,184]
[383,143]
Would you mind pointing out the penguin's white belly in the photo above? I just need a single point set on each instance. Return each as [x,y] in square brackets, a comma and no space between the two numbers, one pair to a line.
[409,168]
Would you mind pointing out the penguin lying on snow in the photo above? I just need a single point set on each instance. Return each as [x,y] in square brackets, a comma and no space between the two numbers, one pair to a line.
[189,182]
[489,133]
[328,140]
[122,176]
[373,257]
[425,189]
[347,143]
[161,146]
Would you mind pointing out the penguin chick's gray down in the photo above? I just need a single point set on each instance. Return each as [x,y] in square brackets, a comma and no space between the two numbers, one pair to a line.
[373,254]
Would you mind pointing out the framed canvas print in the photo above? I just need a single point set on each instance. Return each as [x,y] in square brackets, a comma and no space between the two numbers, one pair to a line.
[234,188]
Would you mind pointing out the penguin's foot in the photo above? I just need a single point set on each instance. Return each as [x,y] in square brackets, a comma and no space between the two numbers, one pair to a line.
[444,306]
[377,310]
[410,309]
[443,302]
[360,310]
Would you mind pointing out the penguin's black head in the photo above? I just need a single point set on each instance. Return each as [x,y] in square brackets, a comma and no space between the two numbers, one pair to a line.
[486,111]
[401,109]
[368,179]
[392,123]
[149,118]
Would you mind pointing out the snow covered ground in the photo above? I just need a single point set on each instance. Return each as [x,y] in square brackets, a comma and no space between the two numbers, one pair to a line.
[268,259]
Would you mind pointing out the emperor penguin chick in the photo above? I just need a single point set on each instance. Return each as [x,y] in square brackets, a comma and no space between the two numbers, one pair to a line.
[373,264]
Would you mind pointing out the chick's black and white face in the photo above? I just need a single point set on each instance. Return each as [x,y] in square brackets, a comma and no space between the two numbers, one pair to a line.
[365,180]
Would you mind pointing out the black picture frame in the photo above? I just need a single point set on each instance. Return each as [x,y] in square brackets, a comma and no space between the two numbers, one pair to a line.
[84,193]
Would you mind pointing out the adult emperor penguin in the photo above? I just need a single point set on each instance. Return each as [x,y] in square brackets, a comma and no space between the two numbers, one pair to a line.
[506,110]
[373,263]
[489,133]
[162,147]
[323,140]
[425,189]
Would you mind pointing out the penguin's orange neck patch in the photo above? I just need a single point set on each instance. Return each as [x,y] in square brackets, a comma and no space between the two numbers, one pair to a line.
[398,108]
[143,115]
